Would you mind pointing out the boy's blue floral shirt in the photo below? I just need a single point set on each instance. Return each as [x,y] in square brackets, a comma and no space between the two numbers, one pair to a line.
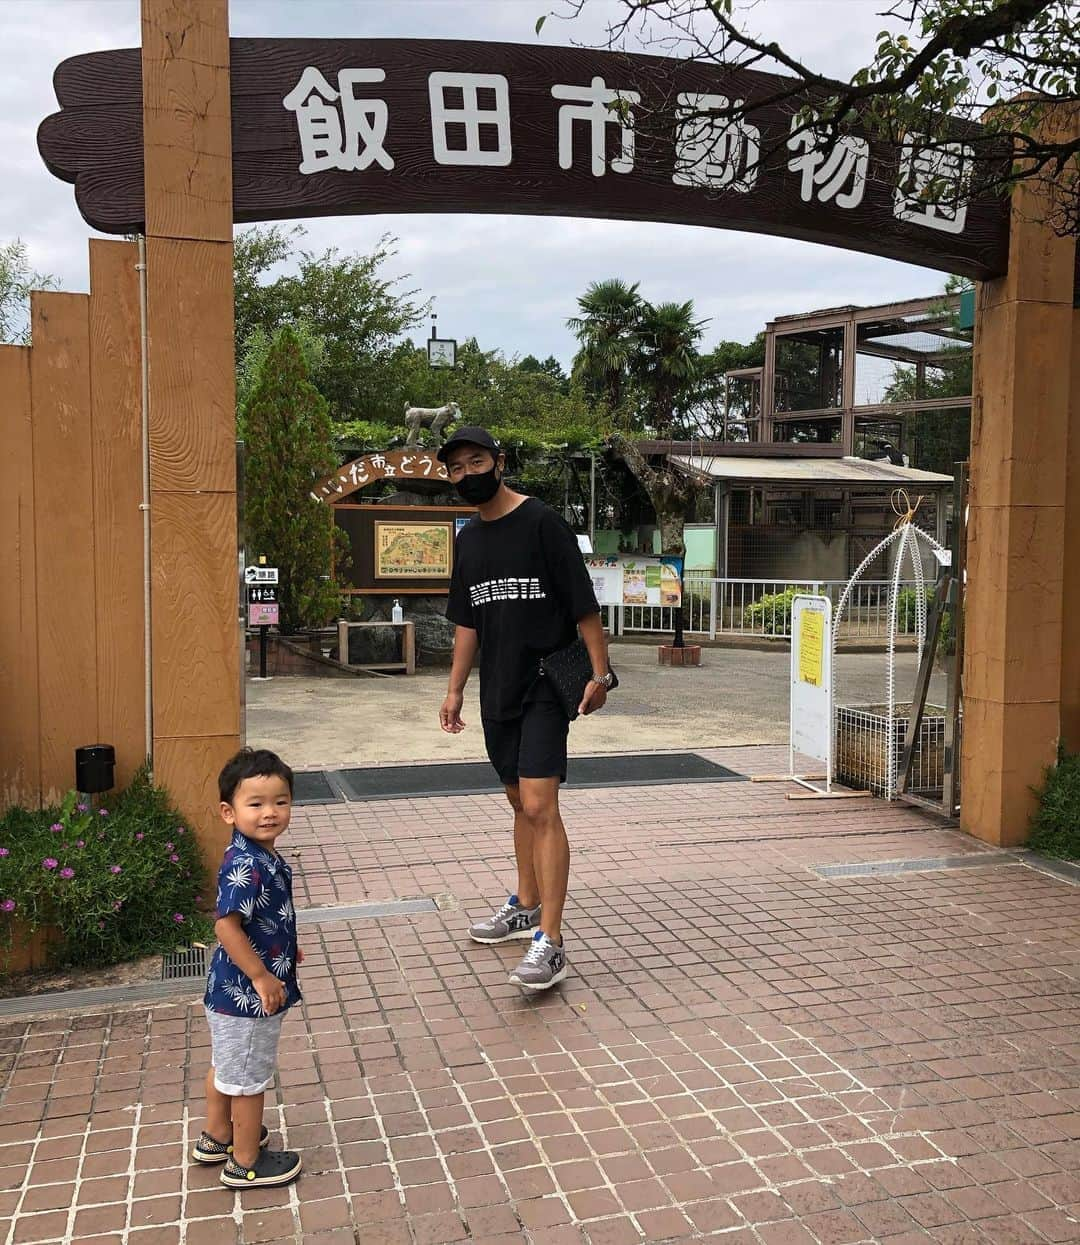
[257,884]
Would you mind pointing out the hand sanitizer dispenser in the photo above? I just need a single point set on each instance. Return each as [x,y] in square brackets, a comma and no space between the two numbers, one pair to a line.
[397,614]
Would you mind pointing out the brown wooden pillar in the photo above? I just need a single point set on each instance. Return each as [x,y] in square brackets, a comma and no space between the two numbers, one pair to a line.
[188,186]
[1070,635]
[1017,532]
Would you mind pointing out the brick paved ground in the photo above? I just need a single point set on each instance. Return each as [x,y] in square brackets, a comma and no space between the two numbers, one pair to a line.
[746,1052]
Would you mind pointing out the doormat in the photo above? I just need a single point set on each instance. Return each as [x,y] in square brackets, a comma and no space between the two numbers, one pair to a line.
[314,787]
[399,782]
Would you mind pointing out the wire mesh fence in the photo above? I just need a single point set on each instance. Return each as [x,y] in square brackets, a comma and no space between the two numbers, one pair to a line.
[868,748]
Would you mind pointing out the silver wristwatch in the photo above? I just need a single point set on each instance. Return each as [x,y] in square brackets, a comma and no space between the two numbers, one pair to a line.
[605,680]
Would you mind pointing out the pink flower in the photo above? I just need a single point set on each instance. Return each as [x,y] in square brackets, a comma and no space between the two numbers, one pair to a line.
[178,917]
[83,808]
[170,847]
[118,905]
[81,843]
[103,812]
[49,863]
[57,827]
[139,837]
[115,869]
[174,858]
[198,899]
[180,830]
[7,906]
[67,873]
[4,851]
[101,924]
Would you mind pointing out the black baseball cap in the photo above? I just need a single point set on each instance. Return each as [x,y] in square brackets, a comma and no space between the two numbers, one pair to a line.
[468,436]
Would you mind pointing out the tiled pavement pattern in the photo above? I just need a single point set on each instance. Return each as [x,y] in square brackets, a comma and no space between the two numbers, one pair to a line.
[746,1052]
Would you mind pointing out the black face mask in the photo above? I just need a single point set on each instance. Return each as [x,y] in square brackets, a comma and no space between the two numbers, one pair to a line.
[479,488]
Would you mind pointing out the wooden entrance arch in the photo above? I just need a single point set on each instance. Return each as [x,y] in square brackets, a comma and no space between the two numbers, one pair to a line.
[198,134]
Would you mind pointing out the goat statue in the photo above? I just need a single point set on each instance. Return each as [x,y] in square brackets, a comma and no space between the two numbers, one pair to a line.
[434,417]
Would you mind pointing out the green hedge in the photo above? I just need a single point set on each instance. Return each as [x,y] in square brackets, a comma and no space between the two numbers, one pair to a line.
[771,614]
[1055,827]
[116,882]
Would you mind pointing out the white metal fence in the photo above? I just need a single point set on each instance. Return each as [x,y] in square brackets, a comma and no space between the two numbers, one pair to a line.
[762,607]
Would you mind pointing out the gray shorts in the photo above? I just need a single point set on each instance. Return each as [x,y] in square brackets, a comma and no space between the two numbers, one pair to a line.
[244,1052]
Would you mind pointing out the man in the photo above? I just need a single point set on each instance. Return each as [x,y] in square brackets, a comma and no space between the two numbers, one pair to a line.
[520,591]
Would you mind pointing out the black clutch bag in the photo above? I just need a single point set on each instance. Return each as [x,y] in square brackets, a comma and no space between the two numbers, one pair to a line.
[568,672]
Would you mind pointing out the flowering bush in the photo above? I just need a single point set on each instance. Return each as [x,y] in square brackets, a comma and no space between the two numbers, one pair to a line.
[116,882]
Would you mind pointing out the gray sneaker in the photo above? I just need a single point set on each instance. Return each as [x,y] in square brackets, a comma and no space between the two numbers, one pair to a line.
[510,922]
[543,966]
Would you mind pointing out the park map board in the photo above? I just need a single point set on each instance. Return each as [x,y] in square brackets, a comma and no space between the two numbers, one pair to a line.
[412,550]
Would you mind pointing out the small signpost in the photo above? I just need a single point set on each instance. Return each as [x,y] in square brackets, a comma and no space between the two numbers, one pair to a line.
[810,727]
[263,605]
[811,730]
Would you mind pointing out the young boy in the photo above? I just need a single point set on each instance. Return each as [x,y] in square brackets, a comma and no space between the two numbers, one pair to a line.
[252,978]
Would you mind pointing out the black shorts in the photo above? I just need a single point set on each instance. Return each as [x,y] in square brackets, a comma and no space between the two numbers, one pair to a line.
[532,745]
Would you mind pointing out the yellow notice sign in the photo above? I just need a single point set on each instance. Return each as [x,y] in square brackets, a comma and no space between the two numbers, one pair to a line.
[811,647]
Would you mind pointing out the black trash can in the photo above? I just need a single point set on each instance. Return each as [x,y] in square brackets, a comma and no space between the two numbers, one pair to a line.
[95,768]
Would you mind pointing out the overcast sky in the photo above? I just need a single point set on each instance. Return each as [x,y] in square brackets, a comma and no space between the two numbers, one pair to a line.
[509,281]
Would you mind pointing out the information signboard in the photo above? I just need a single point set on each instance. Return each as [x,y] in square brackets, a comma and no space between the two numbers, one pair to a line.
[636,580]
[811,718]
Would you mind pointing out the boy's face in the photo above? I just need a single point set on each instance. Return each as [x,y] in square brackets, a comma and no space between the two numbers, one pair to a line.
[260,808]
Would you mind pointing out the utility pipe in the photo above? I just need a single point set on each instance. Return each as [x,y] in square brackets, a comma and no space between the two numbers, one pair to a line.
[148,655]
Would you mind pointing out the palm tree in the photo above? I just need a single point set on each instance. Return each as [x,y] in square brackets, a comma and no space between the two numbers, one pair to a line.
[667,358]
[607,332]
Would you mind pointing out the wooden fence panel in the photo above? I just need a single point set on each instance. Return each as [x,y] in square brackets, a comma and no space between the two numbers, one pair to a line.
[20,748]
[64,527]
[116,433]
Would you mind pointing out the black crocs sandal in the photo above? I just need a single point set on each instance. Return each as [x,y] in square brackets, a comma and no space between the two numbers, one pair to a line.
[207,1150]
[272,1167]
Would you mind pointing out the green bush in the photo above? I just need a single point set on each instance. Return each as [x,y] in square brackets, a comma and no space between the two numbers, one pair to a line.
[906,605]
[771,614]
[1055,827]
[116,882]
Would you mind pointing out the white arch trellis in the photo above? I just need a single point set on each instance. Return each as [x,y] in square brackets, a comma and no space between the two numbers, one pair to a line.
[907,537]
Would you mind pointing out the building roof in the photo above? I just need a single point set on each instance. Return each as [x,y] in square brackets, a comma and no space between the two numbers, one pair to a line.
[806,471]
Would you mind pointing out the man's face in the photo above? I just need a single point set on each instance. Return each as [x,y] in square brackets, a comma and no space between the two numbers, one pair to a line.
[471,460]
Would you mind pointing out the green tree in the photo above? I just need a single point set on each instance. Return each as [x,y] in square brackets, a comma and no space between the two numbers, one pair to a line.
[289,447]
[673,494]
[252,354]
[643,359]
[359,315]
[606,329]
[666,359]
[549,367]
[17,279]
[935,60]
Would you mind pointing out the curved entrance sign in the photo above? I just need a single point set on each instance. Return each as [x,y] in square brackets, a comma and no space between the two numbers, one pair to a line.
[359,126]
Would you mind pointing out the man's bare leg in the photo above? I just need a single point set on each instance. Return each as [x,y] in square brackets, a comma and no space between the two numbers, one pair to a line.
[528,890]
[543,824]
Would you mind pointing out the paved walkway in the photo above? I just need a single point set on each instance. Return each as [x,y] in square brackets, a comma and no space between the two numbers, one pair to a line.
[736,696]
[747,1051]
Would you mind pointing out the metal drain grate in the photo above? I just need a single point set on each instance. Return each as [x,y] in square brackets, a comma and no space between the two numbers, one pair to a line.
[866,869]
[187,962]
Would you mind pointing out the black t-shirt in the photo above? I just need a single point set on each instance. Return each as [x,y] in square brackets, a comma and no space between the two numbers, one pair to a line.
[521,583]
